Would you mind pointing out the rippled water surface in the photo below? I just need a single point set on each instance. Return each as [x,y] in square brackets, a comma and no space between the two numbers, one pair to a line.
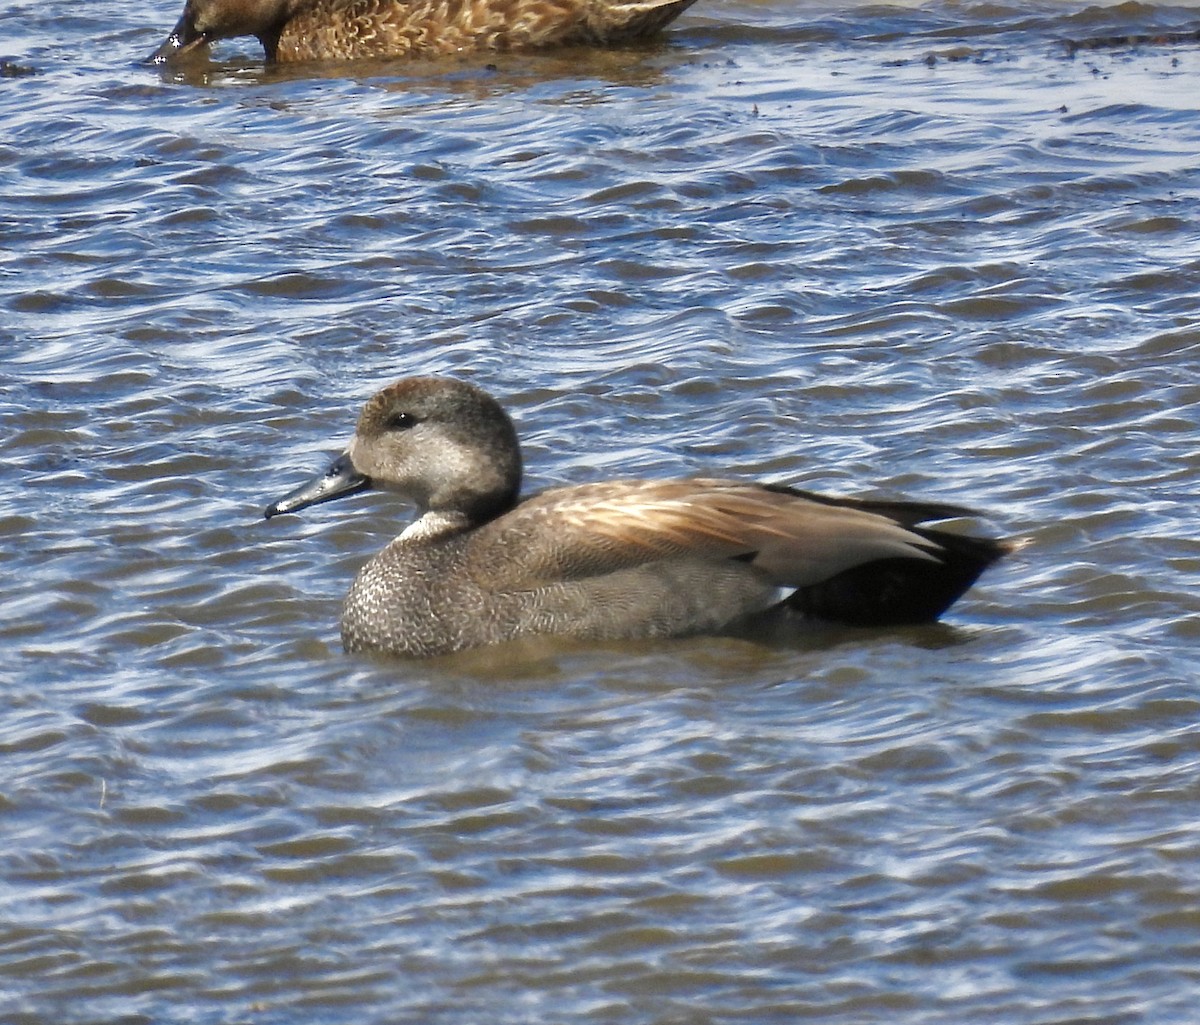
[933,252]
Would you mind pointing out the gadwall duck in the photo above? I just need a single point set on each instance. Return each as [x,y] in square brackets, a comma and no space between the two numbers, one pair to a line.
[612,560]
[299,30]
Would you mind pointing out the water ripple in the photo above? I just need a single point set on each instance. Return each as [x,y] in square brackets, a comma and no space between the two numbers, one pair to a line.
[944,251]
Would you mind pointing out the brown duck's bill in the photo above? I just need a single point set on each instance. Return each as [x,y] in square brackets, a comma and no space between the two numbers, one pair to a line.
[339,480]
[184,39]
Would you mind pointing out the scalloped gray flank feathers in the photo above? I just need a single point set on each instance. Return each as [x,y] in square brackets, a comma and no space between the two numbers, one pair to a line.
[301,30]
[613,560]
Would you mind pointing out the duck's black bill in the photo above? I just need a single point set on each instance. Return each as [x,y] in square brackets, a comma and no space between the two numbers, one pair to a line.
[339,480]
[184,39]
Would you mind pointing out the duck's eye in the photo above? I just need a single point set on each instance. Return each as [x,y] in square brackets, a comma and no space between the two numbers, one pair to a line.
[401,421]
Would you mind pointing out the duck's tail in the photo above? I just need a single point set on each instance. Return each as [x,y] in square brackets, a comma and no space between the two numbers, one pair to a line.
[620,21]
[898,591]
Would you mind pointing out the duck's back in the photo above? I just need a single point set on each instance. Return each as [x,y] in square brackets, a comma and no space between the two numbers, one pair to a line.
[358,29]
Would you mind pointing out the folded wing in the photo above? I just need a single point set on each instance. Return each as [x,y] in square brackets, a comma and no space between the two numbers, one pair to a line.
[848,560]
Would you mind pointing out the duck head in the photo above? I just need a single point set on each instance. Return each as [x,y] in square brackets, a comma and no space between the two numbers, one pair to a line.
[206,21]
[445,445]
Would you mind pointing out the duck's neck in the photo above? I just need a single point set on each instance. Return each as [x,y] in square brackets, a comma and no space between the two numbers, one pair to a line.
[436,523]
[470,511]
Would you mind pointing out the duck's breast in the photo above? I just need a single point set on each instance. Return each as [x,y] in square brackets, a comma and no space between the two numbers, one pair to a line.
[426,599]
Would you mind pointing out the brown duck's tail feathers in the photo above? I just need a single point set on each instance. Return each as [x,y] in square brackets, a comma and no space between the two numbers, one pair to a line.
[899,591]
[632,19]
[906,513]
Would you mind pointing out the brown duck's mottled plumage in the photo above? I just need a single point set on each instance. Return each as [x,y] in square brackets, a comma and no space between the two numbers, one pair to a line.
[615,559]
[301,30]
